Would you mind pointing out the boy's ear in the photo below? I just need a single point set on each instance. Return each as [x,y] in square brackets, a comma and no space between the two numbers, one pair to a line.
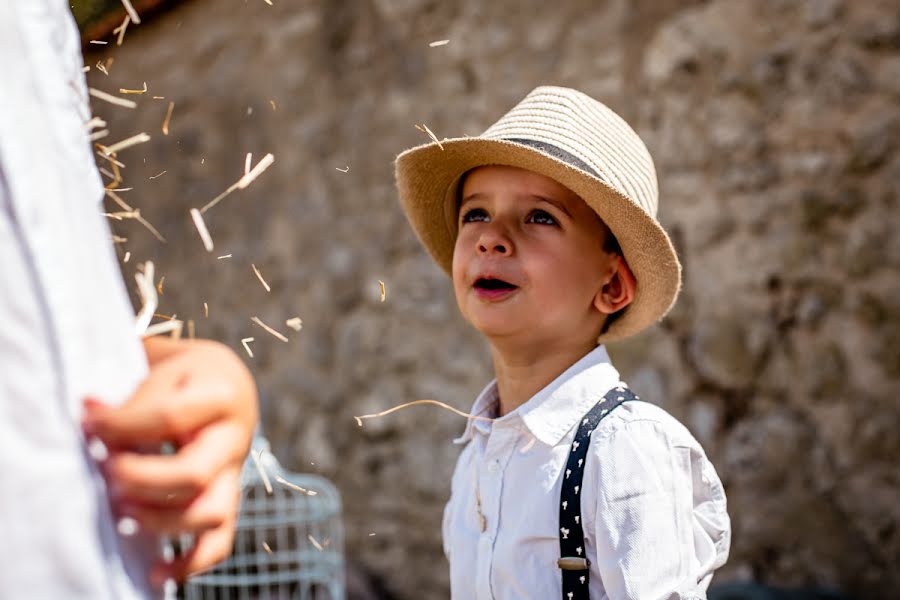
[618,291]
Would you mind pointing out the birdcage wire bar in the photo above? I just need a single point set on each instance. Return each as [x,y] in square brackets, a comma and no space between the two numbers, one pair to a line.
[289,544]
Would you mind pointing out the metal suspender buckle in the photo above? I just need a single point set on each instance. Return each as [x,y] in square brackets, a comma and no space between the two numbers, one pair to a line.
[573,563]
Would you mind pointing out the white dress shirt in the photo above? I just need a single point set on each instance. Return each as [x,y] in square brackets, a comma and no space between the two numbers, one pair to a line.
[67,327]
[653,508]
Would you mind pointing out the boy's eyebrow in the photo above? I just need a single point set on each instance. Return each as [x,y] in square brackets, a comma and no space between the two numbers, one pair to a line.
[472,196]
[554,203]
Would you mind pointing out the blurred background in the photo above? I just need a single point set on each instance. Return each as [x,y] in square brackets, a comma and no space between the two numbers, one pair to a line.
[774,125]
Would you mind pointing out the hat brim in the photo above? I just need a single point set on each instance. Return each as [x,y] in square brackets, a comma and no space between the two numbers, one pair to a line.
[427,178]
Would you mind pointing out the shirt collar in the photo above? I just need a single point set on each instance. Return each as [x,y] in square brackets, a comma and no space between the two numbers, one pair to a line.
[552,412]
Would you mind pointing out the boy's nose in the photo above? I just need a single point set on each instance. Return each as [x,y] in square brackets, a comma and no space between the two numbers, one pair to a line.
[494,241]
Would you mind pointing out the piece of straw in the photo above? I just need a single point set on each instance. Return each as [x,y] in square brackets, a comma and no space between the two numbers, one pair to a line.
[205,310]
[165,125]
[294,323]
[148,295]
[100,95]
[131,12]
[126,143]
[266,548]
[314,542]
[381,285]
[127,91]
[261,166]
[262,471]
[424,129]
[223,256]
[173,326]
[294,486]
[246,341]
[260,277]
[414,403]
[202,230]
[439,43]
[121,29]
[259,322]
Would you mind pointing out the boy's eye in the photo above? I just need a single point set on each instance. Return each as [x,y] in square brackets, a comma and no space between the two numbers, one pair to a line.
[475,214]
[541,217]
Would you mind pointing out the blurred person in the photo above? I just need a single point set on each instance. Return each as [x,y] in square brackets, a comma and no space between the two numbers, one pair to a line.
[568,486]
[72,367]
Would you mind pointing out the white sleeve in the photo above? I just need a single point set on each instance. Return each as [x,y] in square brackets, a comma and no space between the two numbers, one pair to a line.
[649,543]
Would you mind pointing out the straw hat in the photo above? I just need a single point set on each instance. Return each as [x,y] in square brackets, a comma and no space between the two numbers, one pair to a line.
[577,141]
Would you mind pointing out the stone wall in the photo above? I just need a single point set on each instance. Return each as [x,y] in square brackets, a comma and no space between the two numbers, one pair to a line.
[774,125]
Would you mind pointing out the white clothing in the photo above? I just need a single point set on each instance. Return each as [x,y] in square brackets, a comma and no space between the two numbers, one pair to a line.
[653,508]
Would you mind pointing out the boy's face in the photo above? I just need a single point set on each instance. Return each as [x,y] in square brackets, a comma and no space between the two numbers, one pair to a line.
[529,260]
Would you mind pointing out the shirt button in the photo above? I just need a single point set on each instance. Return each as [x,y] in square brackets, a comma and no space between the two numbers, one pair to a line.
[494,467]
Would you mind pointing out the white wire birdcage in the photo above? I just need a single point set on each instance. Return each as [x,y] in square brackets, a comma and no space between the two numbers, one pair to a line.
[289,543]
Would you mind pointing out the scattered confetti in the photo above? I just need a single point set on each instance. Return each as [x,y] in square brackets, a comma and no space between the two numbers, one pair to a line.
[260,277]
[165,125]
[100,95]
[295,323]
[315,542]
[439,43]
[293,486]
[414,403]
[127,91]
[261,470]
[381,285]
[131,12]
[126,143]
[201,229]
[424,129]
[259,322]
[245,342]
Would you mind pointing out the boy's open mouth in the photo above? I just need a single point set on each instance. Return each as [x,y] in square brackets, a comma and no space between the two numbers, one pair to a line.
[491,284]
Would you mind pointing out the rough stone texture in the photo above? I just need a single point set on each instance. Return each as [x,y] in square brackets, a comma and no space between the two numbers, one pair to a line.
[774,125]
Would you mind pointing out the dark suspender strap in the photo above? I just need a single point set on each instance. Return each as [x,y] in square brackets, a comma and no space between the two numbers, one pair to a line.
[573,562]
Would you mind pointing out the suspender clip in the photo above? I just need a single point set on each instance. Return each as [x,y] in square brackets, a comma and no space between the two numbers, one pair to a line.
[573,563]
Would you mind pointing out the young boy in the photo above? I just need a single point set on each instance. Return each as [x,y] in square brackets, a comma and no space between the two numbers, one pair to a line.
[546,224]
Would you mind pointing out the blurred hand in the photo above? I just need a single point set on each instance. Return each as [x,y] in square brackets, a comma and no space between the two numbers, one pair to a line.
[201,397]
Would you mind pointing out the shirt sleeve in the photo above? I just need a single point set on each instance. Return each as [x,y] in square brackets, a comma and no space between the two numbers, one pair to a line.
[649,543]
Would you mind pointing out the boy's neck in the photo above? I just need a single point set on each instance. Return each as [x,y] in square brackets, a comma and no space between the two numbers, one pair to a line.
[522,373]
